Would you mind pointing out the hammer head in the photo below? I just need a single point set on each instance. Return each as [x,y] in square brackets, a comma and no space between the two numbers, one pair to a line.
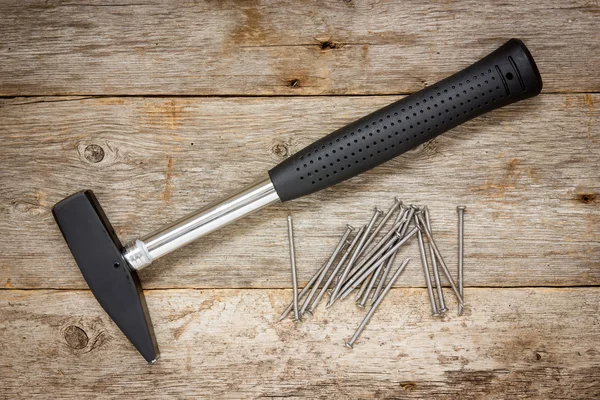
[99,255]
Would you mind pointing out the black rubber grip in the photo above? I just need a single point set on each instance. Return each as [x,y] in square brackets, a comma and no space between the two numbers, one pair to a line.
[505,76]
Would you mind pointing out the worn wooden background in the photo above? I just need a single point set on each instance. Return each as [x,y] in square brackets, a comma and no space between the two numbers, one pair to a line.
[162,107]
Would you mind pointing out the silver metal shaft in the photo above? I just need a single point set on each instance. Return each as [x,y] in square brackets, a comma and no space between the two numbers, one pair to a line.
[365,321]
[293,264]
[434,265]
[334,255]
[142,252]
[461,213]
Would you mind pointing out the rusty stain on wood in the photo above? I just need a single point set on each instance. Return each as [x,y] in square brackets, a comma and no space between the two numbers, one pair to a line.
[166,193]
[167,114]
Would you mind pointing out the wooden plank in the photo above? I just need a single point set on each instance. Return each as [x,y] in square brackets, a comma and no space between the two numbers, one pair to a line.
[528,175]
[282,47]
[511,343]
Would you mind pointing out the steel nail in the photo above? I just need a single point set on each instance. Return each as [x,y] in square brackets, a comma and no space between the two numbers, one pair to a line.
[386,271]
[389,262]
[461,212]
[365,321]
[338,268]
[436,271]
[409,217]
[358,279]
[293,263]
[382,242]
[332,258]
[425,265]
[378,249]
[302,293]
[384,220]
[374,276]
[355,255]
[442,262]
[361,290]
[382,246]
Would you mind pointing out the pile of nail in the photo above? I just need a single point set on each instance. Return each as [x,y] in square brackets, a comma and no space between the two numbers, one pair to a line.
[364,263]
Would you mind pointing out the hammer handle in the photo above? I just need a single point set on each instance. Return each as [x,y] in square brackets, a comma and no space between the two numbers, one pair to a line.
[505,76]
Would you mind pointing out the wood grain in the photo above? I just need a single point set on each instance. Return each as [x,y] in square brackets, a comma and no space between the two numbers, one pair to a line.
[528,175]
[511,343]
[282,47]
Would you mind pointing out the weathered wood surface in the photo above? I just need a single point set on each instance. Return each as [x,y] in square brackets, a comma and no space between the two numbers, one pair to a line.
[528,175]
[282,47]
[511,343]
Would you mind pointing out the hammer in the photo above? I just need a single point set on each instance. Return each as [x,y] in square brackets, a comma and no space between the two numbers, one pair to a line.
[503,77]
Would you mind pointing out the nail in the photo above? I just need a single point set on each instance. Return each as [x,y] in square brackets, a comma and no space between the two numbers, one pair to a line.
[442,262]
[380,248]
[361,291]
[426,272]
[384,276]
[409,217]
[355,255]
[397,203]
[461,213]
[383,241]
[365,321]
[334,255]
[436,271]
[390,261]
[374,276]
[302,293]
[358,279]
[293,263]
[337,268]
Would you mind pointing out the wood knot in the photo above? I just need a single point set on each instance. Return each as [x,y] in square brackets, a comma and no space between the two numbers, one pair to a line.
[76,337]
[330,45]
[408,385]
[93,153]
[280,150]
[586,198]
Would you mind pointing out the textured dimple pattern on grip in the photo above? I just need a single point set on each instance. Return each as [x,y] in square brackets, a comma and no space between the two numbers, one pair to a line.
[505,76]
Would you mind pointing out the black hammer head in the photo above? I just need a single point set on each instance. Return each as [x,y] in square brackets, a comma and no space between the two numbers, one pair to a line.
[98,253]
